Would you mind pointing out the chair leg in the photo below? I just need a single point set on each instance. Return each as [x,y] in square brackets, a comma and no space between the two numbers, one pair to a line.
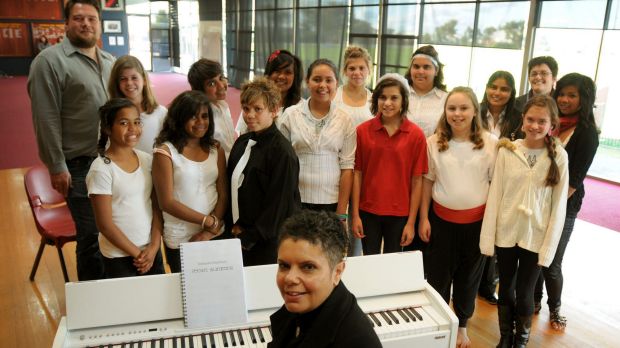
[35,266]
[62,263]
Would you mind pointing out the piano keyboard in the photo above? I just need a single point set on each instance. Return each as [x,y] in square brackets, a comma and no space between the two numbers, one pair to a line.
[387,324]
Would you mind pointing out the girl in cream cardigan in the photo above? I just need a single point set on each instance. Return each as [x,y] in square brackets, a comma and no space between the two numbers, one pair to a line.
[525,214]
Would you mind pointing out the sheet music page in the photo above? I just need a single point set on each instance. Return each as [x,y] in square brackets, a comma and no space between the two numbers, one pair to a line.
[213,283]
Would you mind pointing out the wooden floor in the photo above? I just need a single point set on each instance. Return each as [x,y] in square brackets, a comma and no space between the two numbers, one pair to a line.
[30,311]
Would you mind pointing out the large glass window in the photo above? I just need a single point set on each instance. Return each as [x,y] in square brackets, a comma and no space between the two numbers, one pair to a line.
[588,14]
[448,24]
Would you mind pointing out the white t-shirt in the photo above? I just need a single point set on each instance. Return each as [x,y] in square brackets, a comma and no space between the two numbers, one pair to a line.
[224,131]
[132,211]
[358,114]
[151,126]
[324,147]
[461,175]
[425,110]
[194,186]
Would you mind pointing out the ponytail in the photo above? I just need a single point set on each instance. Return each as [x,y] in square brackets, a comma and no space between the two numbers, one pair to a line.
[553,176]
[103,141]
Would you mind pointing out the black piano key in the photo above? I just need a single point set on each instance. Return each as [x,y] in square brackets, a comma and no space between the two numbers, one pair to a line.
[394,319]
[372,323]
[191,341]
[174,342]
[252,335]
[223,334]
[240,338]
[152,343]
[417,314]
[161,343]
[372,316]
[212,339]
[410,314]
[140,344]
[203,340]
[233,338]
[269,328]
[183,341]
[386,318]
[260,335]
[403,315]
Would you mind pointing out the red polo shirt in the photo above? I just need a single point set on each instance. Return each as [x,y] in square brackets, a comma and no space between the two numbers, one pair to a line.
[388,164]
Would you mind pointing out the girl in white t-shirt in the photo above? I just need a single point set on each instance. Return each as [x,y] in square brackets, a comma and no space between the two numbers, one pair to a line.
[120,187]
[354,98]
[461,158]
[525,215]
[285,70]
[189,173]
[128,79]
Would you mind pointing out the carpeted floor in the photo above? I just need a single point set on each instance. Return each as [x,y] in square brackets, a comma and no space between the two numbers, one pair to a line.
[18,145]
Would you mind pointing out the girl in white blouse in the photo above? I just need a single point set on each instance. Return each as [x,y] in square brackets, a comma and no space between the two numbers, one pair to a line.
[189,173]
[461,158]
[525,213]
[428,92]
[353,97]
[323,137]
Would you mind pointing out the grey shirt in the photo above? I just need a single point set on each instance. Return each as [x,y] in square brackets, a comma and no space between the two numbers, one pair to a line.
[66,89]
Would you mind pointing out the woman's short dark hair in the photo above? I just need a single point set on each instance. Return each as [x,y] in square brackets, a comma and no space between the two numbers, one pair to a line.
[280,59]
[546,60]
[318,228]
[587,95]
[185,106]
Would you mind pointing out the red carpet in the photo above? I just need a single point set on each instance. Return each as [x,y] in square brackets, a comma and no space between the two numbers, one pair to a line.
[18,146]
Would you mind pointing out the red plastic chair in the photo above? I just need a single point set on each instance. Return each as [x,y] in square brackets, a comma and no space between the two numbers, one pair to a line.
[51,215]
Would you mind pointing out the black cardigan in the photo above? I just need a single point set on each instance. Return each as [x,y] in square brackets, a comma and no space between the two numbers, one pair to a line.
[581,149]
[338,322]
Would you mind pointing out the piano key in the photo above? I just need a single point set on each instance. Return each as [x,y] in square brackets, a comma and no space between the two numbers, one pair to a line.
[416,313]
[393,317]
[267,334]
[233,338]
[410,314]
[260,335]
[241,338]
[403,315]
[224,338]
[219,340]
[191,341]
[385,317]
[203,341]
[212,341]
[374,318]
[252,336]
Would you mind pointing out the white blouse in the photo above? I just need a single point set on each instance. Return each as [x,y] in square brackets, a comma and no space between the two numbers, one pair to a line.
[425,110]
[224,131]
[358,114]
[324,147]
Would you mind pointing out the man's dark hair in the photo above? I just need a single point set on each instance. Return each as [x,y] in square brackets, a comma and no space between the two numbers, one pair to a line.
[69,5]
[547,60]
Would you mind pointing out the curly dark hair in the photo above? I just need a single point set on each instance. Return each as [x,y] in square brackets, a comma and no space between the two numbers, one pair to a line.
[318,228]
[184,107]
[281,59]
[587,95]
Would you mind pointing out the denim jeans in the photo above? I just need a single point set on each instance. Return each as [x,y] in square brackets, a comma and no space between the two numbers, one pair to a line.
[89,261]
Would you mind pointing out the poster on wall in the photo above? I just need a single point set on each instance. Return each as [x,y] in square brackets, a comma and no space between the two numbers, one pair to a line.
[112,5]
[32,9]
[14,40]
[45,35]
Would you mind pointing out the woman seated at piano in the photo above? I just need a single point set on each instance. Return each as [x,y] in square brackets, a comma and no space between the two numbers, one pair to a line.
[318,309]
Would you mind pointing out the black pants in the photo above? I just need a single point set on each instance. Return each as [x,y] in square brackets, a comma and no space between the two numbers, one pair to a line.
[378,228]
[173,257]
[120,267]
[320,207]
[454,259]
[552,276]
[518,272]
[488,281]
[88,257]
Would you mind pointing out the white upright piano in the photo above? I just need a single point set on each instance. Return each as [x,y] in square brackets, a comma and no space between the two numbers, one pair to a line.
[403,308]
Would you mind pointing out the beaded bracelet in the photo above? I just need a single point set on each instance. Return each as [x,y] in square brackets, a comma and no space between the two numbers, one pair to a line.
[343,217]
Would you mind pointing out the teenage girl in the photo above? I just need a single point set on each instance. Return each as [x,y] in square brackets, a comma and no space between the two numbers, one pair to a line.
[129,80]
[120,190]
[461,160]
[525,214]
[497,109]
[354,98]
[389,163]
[574,95]
[428,92]
[189,173]
[208,77]
[285,70]
[323,137]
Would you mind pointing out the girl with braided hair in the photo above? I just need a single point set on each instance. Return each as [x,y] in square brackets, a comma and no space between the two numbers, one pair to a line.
[121,193]
[525,214]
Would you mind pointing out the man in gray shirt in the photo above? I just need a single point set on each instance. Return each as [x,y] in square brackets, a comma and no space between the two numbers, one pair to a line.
[67,85]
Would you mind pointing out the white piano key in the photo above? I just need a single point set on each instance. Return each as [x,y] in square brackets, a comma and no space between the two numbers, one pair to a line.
[219,342]
[247,339]
[267,334]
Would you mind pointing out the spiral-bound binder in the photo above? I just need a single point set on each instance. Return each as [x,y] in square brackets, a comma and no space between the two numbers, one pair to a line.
[212,283]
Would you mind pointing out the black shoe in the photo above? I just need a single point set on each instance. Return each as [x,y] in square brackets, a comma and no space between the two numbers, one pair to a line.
[490,299]
[537,307]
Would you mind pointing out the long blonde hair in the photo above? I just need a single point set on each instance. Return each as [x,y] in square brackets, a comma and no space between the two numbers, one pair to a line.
[149,104]
[444,131]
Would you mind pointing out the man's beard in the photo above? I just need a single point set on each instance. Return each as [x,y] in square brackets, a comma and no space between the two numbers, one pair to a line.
[81,42]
